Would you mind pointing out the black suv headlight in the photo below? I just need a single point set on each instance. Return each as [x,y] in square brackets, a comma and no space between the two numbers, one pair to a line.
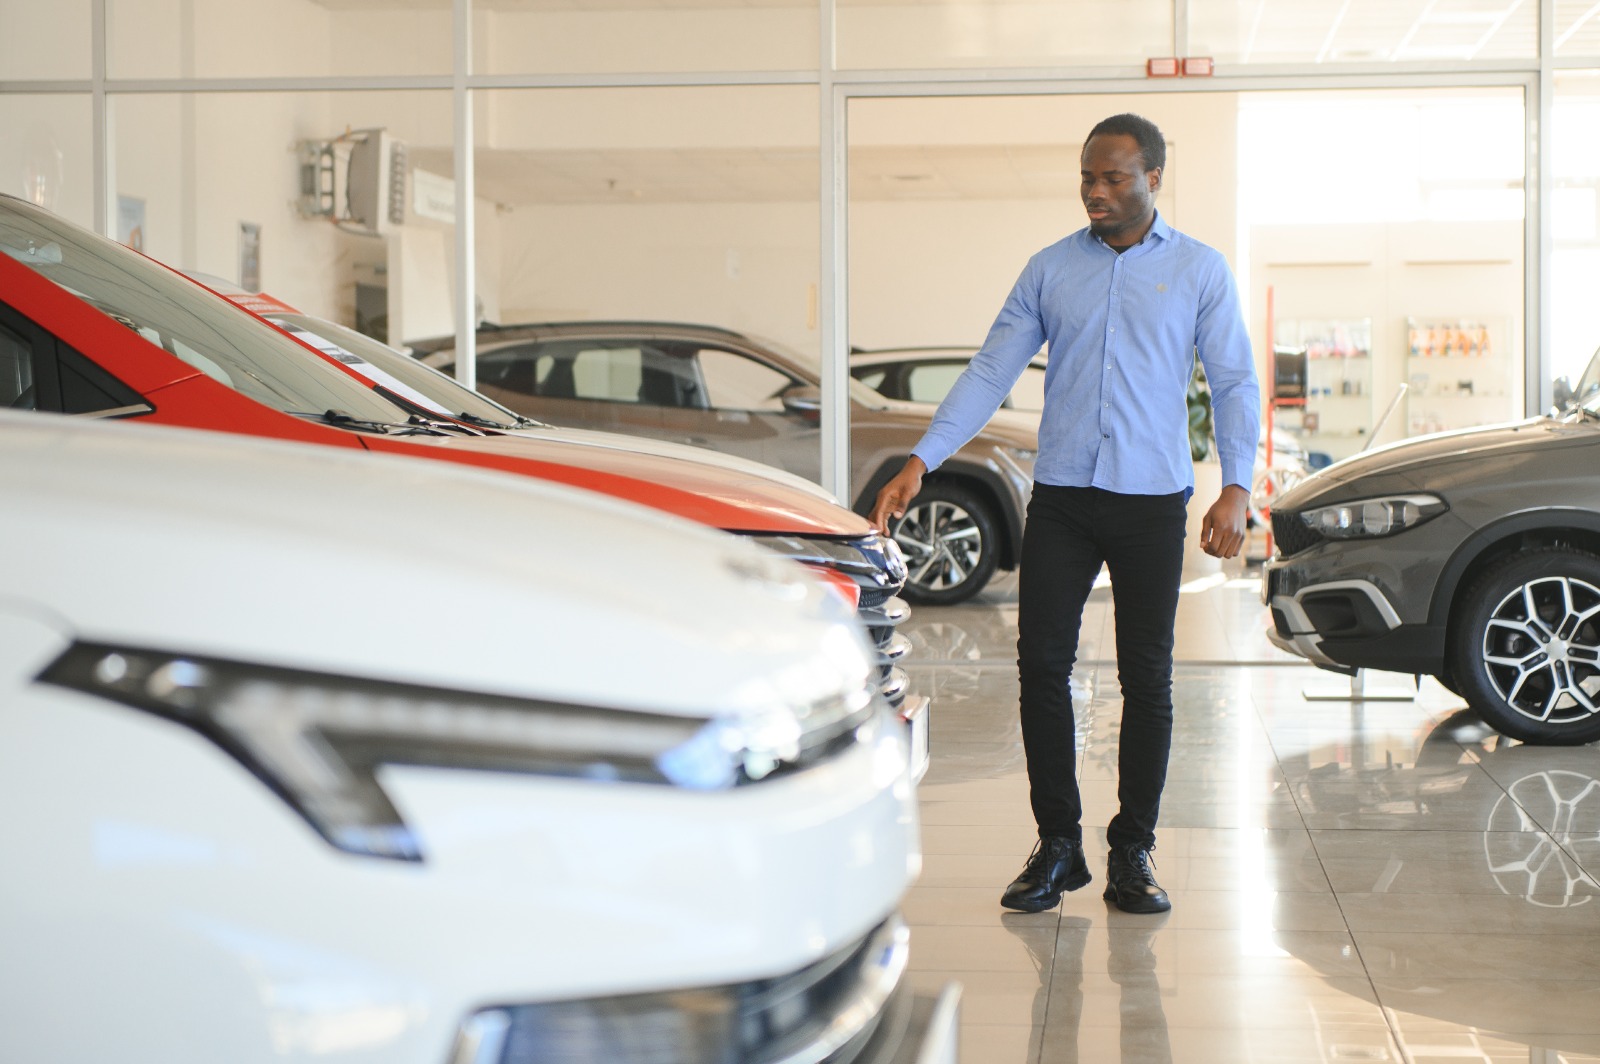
[317,740]
[1371,518]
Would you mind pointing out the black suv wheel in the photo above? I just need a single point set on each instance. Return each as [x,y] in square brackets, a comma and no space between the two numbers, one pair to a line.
[1526,653]
[951,542]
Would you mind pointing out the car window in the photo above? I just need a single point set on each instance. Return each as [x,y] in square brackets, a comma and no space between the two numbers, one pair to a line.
[620,372]
[738,382]
[88,389]
[929,382]
[872,378]
[16,372]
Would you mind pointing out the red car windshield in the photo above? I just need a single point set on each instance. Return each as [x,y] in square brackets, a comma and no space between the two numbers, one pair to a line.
[188,322]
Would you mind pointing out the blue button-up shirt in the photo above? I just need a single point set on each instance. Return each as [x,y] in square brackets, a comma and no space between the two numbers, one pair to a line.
[1122,332]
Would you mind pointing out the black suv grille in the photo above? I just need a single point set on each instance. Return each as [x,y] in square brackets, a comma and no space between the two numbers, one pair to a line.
[1290,534]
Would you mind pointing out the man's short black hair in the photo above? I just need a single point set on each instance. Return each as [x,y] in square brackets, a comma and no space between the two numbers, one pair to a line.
[1152,145]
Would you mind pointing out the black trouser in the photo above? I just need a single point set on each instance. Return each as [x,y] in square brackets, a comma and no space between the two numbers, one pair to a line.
[1139,538]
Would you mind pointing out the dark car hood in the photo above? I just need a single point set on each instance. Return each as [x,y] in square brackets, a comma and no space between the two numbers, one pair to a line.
[1464,445]
[697,491]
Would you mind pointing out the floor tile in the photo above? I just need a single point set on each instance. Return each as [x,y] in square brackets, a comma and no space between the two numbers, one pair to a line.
[1352,880]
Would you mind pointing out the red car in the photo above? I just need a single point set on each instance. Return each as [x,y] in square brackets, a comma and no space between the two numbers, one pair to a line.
[89,327]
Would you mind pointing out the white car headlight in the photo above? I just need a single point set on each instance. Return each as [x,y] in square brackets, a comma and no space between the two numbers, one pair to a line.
[1370,518]
[317,740]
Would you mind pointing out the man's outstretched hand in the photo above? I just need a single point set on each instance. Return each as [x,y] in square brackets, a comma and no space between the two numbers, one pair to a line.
[1222,530]
[895,496]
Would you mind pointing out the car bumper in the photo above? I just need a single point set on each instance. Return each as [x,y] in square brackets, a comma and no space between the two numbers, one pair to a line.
[1345,625]
[175,896]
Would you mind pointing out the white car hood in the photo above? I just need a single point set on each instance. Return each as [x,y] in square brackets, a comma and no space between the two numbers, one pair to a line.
[450,577]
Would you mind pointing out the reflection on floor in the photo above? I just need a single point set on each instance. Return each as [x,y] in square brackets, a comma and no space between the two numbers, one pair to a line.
[1351,880]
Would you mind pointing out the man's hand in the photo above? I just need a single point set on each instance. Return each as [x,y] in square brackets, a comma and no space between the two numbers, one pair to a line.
[1222,531]
[895,496]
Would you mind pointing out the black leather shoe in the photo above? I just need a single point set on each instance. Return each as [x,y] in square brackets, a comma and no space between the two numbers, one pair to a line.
[1131,885]
[1056,864]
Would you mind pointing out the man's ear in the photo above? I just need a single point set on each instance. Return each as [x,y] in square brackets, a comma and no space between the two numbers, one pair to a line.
[1155,179]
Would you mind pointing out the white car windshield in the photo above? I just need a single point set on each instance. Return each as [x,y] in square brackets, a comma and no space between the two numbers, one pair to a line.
[443,394]
[188,322]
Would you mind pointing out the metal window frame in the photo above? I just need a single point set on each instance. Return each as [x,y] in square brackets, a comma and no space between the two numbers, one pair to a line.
[836,88]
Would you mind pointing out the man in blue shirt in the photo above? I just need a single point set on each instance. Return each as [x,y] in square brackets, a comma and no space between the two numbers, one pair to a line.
[1124,305]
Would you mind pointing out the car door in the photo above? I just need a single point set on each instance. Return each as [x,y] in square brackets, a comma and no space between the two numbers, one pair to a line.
[753,409]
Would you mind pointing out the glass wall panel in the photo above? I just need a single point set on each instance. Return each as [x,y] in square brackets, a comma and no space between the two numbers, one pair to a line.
[44,40]
[1363,31]
[1385,229]
[296,194]
[949,197]
[47,152]
[1577,27]
[674,205]
[1575,225]
[287,38]
[896,34]
[645,36]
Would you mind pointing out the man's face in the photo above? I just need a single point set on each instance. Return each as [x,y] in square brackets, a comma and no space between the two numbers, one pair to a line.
[1118,192]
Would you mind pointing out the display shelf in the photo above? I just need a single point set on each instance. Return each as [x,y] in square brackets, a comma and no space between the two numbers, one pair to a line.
[1333,363]
[1459,374]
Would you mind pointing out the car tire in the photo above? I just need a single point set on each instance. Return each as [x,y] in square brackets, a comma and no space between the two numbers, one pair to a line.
[951,542]
[1526,649]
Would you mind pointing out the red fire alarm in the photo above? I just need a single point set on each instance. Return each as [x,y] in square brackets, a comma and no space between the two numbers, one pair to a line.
[1197,66]
[1166,67]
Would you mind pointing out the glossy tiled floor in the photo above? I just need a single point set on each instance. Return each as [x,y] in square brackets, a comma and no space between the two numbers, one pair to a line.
[1351,880]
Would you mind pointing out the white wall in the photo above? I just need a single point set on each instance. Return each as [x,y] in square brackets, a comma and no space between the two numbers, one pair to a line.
[743,265]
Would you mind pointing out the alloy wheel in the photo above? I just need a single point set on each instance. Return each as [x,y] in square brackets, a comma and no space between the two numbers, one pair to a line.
[1541,649]
[943,545]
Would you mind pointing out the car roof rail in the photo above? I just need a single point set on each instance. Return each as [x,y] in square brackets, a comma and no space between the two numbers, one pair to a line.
[611,323]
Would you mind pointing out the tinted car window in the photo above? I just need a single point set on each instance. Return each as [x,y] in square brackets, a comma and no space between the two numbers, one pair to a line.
[624,372]
[16,372]
[737,382]
[88,389]
[929,382]
[184,319]
[872,378]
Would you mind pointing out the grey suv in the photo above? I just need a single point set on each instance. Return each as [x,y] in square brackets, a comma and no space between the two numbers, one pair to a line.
[1471,556]
[731,392]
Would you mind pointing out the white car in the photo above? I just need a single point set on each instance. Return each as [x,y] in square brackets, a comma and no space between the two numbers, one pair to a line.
[284,781]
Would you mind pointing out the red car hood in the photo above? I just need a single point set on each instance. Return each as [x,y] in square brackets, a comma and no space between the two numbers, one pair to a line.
[697,491]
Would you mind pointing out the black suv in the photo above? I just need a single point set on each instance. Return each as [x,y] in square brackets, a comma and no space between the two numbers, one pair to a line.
[1471,556]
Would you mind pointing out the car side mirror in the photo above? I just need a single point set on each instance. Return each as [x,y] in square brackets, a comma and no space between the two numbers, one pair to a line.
[803,399]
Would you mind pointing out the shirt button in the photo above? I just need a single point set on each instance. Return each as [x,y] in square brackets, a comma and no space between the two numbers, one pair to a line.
[1113,328]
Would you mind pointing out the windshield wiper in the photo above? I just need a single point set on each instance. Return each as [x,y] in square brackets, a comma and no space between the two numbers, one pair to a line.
[345,421]
[481,422]
[413,426]
[417,425]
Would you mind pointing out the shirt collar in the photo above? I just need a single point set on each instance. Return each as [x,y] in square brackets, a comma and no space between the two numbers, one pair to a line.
[1158,228]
